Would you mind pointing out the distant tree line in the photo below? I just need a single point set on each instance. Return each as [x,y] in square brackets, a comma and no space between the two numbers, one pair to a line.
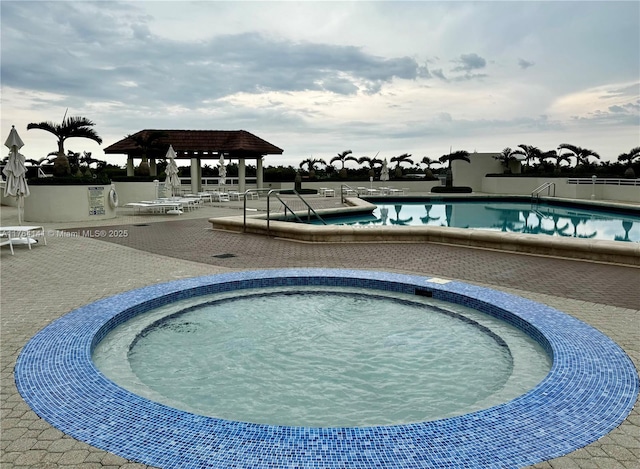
[566,160]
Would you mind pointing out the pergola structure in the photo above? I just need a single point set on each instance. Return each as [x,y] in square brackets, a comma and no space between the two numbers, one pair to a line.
[197,145]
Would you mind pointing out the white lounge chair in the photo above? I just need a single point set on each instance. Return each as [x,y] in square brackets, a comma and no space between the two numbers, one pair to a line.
[18,235]
[222,197]
[171,208]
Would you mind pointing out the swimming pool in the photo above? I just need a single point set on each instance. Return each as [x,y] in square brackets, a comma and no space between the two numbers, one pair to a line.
[621,251]
[590,389]
[570,221]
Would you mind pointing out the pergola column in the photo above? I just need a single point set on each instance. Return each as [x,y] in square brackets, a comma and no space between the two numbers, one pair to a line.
[196,176]
[241,176]
[130,170]
[259,175]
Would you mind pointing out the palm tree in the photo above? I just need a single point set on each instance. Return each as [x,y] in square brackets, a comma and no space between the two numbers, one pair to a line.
[529,152]
[311,163]
[147,141]
[371,162]
[629,157]
[74,126]
[506,157]
[557,157]
[404,158]
[580,154]
[343,158]
[428,162]
[461,155]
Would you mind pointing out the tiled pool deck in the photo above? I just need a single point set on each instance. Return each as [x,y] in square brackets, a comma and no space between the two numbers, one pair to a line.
[45,283]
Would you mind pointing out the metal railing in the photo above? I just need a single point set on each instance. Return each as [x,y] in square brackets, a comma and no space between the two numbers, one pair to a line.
[213,183]
[605,181]
[345,191]
[276,194]
[535,195]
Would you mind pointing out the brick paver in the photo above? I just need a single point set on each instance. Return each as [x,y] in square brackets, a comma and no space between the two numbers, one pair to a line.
[41,285]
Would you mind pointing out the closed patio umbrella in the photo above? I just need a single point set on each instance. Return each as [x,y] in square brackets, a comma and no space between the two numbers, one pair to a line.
[15,172]
[384,172]
[173,181]
[222,171]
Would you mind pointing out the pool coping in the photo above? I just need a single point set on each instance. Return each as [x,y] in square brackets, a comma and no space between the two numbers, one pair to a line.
[573,248]
[591,388]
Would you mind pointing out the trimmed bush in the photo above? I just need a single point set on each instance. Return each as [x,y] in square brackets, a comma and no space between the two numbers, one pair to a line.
[451,190]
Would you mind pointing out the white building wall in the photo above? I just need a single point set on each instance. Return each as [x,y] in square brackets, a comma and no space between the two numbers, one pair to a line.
[472,174]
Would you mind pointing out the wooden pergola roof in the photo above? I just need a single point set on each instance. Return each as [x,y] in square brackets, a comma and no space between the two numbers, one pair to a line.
[201,144]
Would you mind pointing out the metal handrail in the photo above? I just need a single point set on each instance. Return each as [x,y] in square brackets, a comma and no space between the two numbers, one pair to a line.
[244,205]
[342,191]
[547,185]
[276,193]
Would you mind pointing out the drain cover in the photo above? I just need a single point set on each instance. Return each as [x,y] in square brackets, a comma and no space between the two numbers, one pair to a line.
[224,256]
[142,224]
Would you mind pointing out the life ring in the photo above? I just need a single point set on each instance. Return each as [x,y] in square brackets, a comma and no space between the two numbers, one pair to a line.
[113,198]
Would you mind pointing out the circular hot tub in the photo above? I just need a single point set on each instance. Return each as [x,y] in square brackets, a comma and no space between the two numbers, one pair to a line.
[590,389]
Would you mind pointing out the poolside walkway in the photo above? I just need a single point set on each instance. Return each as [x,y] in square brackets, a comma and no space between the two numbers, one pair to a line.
[43,284]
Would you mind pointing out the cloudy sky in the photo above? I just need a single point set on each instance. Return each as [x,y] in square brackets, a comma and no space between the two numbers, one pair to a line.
[318,78]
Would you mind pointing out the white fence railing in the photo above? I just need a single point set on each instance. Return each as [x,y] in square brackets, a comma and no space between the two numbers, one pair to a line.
[607,181]
[214,182]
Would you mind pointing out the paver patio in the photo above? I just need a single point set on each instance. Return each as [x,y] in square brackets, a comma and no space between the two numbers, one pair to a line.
[43,284]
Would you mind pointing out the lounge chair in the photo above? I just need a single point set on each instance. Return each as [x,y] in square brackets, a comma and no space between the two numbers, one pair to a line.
[173,208]
[17,235]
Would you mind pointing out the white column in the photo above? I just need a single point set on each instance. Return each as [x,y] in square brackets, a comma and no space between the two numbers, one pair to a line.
[241,176]
[259,174]
[130,170]
[196,171]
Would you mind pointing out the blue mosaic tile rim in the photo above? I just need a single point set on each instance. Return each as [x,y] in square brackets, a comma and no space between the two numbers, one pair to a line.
[590,389]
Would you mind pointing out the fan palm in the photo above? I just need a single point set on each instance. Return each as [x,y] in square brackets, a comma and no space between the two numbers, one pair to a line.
[629,158]
[557,157]
[74,126]
[147,141]
[404,158]
[506,157]
[343,158]
[311,163]
[460,155]
[529,152]
[371,163]
[580,154]
[428,162]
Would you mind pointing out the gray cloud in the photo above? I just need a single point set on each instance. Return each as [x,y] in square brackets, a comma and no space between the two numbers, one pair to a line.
[72,55]
[525,64]
[439,73]
[631,90]
[112,62]
[469,62]
[626,108]
[469,76]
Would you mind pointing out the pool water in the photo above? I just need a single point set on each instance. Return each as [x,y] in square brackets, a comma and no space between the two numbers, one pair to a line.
[322,357]
[514,217]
